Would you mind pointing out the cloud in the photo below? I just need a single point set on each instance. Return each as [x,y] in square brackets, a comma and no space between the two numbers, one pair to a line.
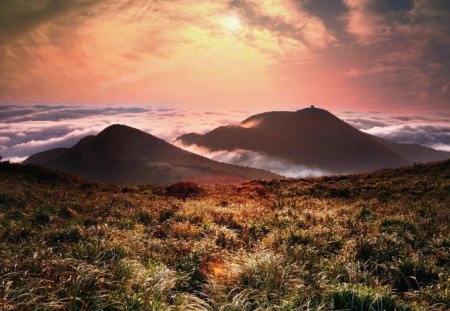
[26,148]
[33,13]
[366,52]
[28,129]
[380,20]
[104,51]
[256,160]
[287,19]
[362,22]
[407,41]
[376,70]
[4,139]
[423,134]
[13,114]
[431,130]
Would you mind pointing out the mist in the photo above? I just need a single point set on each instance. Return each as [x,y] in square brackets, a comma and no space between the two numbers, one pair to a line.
[257,160]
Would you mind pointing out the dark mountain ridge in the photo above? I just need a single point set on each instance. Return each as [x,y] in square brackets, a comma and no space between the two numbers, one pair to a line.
[316,138]
[124,155]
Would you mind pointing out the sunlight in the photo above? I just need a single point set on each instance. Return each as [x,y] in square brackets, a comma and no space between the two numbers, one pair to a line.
[232,23]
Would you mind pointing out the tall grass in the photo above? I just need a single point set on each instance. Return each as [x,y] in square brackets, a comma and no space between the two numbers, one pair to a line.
[365,242]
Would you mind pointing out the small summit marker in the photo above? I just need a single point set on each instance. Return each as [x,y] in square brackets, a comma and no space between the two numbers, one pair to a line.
[312,107]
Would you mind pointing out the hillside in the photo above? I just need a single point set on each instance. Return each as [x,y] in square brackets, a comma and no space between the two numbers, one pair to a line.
[359,242]
[124,155]
[314,138]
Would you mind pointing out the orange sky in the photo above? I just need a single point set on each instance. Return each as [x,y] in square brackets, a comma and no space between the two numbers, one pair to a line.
[222,54]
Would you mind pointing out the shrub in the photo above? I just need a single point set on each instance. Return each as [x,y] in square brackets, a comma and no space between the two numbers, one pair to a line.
[144,218]
[343,193]
[184,190]
[227,238]
[412,275]
[362,298]
[128,224]
[68,236]
[298,237]
[98,251]
[90,221]
[4,198]
[262,191]
[189,266]
[14,215]
[269,275]
[41,218]
[365,250]
[12,200]
[365,213]
[88,290]
[384,248]
[255,232]
[401,226]
[17,232]
[436,295]
[66,213]
[167,213]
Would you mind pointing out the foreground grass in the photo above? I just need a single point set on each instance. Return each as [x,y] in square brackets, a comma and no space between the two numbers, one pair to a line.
[377,241]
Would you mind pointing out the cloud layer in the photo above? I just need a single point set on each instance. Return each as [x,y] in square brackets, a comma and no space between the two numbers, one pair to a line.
[431,130]
[257,160]
[27,129]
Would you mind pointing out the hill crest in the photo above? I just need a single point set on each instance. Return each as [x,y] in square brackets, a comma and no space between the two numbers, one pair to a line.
[124,155]
[312,137]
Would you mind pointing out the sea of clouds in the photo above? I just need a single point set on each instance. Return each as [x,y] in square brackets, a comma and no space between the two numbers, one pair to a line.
[256,160]
[27,129]
[431,130]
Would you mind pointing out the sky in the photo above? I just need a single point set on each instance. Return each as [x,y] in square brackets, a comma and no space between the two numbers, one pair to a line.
[70,68]
[222,55]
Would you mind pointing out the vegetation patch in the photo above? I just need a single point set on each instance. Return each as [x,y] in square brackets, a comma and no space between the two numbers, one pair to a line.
[375,241]
[184,190]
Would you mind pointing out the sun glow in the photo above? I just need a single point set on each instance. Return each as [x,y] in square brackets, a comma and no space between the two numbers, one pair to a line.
[232,23]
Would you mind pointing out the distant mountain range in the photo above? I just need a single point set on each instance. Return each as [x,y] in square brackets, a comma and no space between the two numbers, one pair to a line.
[313,138]
[124,155]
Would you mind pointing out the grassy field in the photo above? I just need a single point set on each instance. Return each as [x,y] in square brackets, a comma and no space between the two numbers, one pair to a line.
[376,241]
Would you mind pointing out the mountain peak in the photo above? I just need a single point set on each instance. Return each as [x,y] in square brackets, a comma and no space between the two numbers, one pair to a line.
[123,133]
[283,119]
[314,112]
[115,128]
[125,155]
[311,137]
[313,109]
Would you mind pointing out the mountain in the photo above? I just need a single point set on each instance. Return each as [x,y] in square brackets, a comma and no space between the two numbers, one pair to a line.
[314,138]
[124,155]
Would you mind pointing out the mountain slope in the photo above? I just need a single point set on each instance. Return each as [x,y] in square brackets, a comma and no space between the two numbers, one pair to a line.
[313,137]
[124,155]
[414,152]
[380,238]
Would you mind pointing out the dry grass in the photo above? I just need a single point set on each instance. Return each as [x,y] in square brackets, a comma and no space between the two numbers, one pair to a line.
[377,241]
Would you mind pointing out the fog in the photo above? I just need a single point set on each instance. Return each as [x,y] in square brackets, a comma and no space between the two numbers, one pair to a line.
[256,160]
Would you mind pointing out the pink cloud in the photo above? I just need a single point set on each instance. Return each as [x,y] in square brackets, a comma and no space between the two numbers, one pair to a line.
[179,53]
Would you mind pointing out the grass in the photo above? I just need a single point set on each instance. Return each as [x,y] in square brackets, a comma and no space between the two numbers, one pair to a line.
[375,241]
